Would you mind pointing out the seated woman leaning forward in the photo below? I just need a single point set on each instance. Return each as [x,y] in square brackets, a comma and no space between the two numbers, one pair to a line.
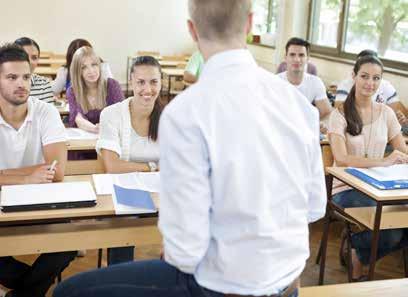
[90,92]
[358,133]
[128,132]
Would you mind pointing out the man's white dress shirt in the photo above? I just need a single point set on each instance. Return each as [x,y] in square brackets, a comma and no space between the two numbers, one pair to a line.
[242,177]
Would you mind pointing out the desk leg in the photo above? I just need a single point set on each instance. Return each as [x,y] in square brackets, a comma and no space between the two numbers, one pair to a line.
[169,85]
[374,240]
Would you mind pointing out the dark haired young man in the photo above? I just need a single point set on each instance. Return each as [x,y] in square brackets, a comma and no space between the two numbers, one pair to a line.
[31,136]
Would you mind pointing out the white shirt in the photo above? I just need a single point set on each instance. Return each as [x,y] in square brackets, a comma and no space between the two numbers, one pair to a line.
[58,85]
[312,87]
[240,180]
[24,147]
[41,88]
[116,134]
[385,93]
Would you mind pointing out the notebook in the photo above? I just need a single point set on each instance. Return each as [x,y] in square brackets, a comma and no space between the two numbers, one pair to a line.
[383,178]
[47,196]
[132,201]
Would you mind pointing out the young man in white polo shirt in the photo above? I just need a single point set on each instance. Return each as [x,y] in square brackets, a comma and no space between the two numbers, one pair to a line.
[32,136]
[311,86]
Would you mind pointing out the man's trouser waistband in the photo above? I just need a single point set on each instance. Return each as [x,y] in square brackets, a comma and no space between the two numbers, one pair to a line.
[286,293]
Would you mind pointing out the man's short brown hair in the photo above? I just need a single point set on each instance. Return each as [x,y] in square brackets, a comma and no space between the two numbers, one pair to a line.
[219,19]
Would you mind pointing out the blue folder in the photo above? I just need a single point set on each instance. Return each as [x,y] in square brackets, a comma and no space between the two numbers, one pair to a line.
[382,185]
[134,198]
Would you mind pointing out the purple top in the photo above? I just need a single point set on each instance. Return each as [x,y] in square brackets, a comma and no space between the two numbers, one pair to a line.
[114,95]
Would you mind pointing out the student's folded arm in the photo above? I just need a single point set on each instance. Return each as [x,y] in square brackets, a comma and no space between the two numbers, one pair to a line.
[113,164]
[324,107]
[185,197]
[56,152]
[343,159]
[84,124]
[189,77]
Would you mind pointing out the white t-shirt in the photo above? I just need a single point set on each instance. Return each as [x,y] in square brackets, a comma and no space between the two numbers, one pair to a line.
[24,147]
[386,93]
[312,87]
[116,134]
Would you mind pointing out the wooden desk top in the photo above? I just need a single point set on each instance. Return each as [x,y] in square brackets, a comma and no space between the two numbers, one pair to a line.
[104,207]
[395,288]
[173,71]
[47,71]
[379,195]
[169,63]
[81,145]
[50,61]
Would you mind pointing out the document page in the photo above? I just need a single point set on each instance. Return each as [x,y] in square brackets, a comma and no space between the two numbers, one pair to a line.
[391,173]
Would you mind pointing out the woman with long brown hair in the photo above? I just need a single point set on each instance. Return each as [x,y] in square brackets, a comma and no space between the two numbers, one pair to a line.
[358,133]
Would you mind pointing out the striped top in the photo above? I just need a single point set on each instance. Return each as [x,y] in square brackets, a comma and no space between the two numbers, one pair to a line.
[41,88]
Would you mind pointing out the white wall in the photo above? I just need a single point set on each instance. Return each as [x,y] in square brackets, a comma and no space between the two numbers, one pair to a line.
[116,29]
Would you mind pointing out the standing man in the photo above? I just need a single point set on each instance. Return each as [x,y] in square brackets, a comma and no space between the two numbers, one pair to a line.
[311,86]
[32,136]
[240,182]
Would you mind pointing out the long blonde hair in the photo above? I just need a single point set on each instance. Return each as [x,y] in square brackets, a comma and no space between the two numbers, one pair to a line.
[78,84]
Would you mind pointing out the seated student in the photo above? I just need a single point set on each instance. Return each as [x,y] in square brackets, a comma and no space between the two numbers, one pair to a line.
[40,85]
[311,86]
[358,133]
[385,93]
[128,132]
[63,80]
[32,136]
[194,67]
[90,92]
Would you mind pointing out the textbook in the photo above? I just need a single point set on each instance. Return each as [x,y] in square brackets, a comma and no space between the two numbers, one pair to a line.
[383,178]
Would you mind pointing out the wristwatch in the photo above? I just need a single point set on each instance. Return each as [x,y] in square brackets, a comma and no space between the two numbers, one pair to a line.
[152,166]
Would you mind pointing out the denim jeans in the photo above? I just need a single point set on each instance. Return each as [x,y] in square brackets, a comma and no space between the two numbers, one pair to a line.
[35,280]
[120,255]
[389,240]
[152,278]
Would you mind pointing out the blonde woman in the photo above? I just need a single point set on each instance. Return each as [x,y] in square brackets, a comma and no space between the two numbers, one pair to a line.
[89,93]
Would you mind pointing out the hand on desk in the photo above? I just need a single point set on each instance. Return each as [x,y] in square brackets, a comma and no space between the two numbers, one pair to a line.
[41,175]
[396,157]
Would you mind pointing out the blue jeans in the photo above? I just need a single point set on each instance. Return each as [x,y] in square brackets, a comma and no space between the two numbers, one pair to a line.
[152,278]
[389,240]
[120,255]
[35,280]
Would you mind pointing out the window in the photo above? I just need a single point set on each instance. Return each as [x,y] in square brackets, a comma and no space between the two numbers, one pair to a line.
[346,27]
[265,21]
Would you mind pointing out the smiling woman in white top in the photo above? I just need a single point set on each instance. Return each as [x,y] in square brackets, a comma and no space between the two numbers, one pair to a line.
[128,130]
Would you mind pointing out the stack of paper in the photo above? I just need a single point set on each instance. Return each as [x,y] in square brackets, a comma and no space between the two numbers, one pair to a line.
[130,191]
[79,134]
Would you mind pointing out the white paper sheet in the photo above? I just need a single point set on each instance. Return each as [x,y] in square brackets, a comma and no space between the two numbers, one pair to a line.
[394,172]
[79,134]
[147,181]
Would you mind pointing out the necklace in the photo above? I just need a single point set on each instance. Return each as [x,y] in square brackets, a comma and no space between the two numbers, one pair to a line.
[367,145]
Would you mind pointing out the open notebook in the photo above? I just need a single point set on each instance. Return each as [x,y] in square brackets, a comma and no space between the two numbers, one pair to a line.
[131,192]
[47,196]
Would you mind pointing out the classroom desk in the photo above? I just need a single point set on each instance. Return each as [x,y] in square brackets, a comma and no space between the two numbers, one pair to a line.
[325,140]
[81,145]
[58,230]
[46,71]
[171,64]
[172,72]
[389,212]
[395,288]
[51,61]
[63,110]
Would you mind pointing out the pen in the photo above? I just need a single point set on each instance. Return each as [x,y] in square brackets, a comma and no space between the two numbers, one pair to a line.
[54,163]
